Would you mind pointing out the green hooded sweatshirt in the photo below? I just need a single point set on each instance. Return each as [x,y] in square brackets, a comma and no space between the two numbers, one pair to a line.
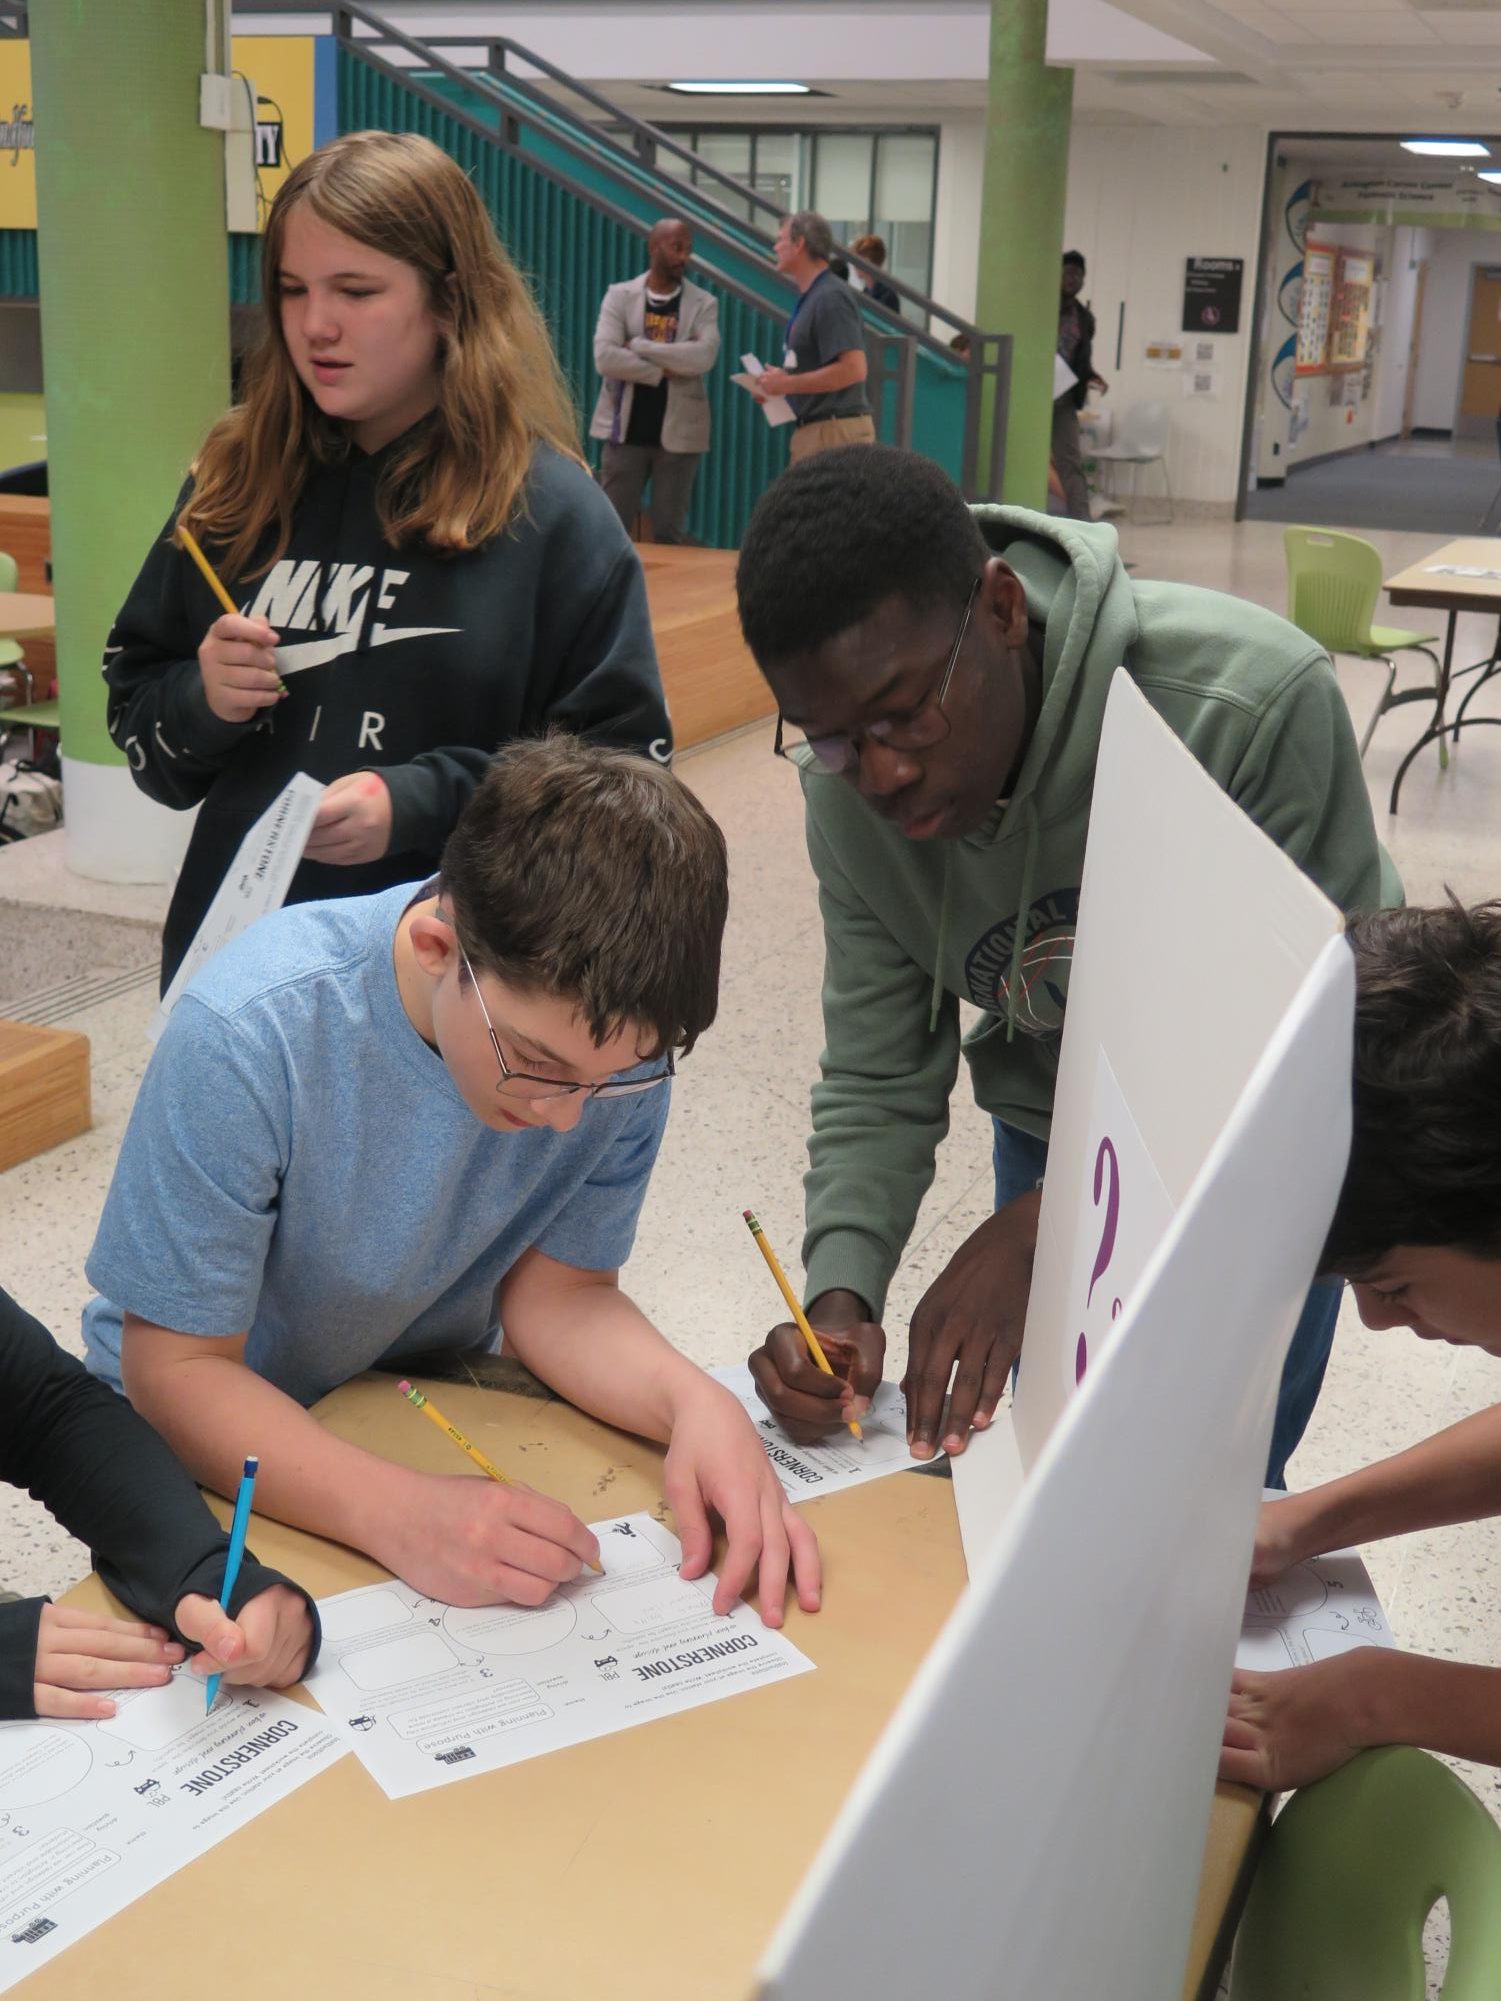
[911,928]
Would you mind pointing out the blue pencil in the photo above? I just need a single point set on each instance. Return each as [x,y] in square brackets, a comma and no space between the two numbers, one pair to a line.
[237,1532]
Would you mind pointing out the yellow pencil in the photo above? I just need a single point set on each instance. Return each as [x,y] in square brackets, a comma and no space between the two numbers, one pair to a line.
[210,574]
[815,1346]
[491,1471]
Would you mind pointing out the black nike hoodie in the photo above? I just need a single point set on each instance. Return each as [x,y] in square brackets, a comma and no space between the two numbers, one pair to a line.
[402,661]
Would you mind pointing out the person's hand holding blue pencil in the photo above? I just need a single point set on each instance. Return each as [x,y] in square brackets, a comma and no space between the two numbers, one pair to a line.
[238,1529]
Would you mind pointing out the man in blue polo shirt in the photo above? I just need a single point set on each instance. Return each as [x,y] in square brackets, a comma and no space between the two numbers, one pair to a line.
[823,372]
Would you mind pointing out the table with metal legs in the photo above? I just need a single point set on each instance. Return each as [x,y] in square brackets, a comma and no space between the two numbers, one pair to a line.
[1462,576]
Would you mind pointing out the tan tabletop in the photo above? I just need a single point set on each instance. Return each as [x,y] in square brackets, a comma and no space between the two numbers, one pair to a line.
[26,615]
[647,1866]
[1419,585]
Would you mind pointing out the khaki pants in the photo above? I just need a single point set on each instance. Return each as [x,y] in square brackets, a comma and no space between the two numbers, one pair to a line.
[832,432]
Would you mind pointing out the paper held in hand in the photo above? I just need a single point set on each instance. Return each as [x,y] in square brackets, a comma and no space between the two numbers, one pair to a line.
[256,881]
[776,409]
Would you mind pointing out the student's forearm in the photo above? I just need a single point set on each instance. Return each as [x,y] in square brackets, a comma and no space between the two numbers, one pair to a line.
[597,1349]
[1454,1476]
[1449,1707]
[214,1412]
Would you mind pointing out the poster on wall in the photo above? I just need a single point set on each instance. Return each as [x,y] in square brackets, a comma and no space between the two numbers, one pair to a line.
[278,70]
[1315,305]
[1211,294]
[1350,310]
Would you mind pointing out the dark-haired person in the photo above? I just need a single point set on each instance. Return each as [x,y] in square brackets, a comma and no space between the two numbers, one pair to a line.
[1418,1235]
[422,564]
[823,376]
[873,249]
[1076,347]
[416,1120]
[941,674]
[102,1472]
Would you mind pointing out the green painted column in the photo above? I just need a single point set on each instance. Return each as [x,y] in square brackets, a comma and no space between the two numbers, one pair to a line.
[133,267]
[1028,112]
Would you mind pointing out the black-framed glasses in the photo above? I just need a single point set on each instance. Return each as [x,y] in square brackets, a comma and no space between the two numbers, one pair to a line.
[839,756]
[541,1090]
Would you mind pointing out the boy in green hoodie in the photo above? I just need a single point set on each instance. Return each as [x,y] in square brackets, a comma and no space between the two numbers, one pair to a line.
[941,674]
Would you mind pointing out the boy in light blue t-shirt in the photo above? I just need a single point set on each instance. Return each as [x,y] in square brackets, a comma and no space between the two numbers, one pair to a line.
[416,1119]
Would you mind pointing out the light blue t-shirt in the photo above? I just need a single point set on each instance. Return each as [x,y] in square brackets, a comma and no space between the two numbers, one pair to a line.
[299,1163]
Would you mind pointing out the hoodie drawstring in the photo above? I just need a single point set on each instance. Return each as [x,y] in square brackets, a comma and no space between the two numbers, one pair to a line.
[943,945]
[1023,911]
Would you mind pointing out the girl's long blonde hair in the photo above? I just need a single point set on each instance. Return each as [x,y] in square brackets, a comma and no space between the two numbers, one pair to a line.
[458,480]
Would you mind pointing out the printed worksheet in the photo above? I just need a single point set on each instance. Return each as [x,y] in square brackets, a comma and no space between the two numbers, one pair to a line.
[1316,1609]
[425,1693]
[93,1815]
[842,1461]
[256,881]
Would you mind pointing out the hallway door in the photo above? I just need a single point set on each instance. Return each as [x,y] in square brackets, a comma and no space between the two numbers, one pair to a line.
[1480,383]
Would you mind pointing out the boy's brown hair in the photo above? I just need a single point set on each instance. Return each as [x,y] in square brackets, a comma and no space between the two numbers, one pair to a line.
[1425,1149]
[594,875]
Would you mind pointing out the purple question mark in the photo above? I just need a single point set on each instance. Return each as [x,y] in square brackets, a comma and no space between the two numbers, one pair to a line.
[1106,1248]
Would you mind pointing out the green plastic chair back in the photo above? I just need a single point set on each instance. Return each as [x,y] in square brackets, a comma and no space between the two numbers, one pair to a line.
[10,650]
[1333,582]
[1350,1871]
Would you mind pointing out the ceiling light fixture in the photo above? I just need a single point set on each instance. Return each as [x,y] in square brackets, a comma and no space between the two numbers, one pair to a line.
[741,89]
[1489,174]
[1448,149]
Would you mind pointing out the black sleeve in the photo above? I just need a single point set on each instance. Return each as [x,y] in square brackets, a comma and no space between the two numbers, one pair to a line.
[1083,362]
[100,1469]
[594,672]
[156,710]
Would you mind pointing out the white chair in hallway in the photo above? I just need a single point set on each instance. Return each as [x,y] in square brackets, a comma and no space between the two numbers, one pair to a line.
[1141,441]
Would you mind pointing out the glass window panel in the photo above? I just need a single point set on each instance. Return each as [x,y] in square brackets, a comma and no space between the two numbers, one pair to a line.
[909,255]
[781,169]
[841,180]
[904,177]
[729,151]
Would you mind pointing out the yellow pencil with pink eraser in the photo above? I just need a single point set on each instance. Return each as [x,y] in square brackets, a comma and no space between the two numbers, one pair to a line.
[425,1404]
[815,1346]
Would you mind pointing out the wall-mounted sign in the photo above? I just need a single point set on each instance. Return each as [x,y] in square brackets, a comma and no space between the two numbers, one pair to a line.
[1211,294]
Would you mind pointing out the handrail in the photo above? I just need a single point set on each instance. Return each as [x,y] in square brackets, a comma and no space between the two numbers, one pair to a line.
[430,44]
[364,50]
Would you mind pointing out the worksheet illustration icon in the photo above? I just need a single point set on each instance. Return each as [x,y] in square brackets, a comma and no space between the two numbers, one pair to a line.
[511,1629]
[39,1762]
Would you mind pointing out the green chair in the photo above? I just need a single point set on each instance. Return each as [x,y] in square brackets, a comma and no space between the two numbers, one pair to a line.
[12,658]
[1349,1873]
[1333,583]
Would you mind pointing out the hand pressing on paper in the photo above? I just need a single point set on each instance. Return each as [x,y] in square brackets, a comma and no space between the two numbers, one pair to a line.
[353,821]
[806,1403]
[717,1464]
[79,1652]
[266,1647]
[1285,1730]
[238,663]
[1279,1541]
[775,382]
[968,1327]
[468,1541]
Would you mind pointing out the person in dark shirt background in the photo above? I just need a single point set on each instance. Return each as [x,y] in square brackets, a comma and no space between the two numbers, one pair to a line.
[873,249]
[656,339]
[823,366]
[102,1471]
[1076,347]
[424,567]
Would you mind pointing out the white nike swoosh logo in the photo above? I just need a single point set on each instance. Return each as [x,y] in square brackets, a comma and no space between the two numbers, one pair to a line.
[305,653]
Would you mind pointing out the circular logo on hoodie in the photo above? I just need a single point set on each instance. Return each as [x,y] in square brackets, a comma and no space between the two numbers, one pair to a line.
[1046,959]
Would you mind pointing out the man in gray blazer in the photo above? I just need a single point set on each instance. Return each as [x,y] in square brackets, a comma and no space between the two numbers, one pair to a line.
[657,338]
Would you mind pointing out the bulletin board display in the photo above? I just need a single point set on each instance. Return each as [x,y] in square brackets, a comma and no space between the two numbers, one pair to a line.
[1350,316]
[1316,306]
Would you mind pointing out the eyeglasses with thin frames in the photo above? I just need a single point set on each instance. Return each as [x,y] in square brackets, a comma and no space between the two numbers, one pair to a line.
[541,1090]
[839,756]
